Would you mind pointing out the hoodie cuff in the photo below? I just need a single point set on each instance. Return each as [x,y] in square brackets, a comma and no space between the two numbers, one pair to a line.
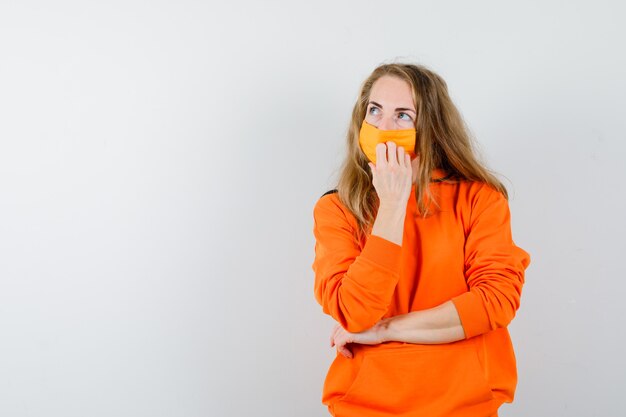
[382,252]
[472,313]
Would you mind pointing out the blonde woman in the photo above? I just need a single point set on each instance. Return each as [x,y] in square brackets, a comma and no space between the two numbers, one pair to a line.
[415,260]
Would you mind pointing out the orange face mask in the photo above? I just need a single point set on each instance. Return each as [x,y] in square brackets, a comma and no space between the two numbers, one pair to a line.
[370,136]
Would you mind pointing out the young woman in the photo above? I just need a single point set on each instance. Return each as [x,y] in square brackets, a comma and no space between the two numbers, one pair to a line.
[415,261]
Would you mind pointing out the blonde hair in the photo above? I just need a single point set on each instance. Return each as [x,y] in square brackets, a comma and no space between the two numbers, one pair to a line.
[442,141]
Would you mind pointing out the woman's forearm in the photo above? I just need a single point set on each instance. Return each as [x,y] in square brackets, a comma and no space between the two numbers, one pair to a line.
[439,324]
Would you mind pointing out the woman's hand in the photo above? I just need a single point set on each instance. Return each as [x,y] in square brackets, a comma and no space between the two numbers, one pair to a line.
[372,336]
[392,174]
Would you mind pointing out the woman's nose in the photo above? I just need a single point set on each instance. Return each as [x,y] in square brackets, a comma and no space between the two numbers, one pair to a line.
[386,123]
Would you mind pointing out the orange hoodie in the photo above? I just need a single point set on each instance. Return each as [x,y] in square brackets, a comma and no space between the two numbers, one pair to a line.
[464,252]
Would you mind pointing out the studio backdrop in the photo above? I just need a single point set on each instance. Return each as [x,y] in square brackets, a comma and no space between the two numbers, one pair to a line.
[159,163]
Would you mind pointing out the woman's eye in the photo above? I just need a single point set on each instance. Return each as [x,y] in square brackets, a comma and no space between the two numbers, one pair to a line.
[405,118]
[373,110]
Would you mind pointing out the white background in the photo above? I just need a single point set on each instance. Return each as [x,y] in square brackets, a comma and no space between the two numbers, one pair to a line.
[159,162]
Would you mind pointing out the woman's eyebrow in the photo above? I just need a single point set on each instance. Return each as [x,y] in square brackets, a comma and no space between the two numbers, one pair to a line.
[397,109]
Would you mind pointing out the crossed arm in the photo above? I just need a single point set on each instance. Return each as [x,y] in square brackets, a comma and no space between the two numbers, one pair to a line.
[439,324]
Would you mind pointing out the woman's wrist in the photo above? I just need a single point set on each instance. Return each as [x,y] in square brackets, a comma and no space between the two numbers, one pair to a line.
[389,223]
[382,330]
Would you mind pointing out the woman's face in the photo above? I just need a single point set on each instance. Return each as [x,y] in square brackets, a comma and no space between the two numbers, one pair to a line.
[390,105]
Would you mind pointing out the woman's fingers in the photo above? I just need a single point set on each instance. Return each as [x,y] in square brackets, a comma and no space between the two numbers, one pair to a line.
[392,159]
[392,173]
[381,155]
[342,347]
[345,352]
[335,333]
[340,339]
[390,155]
[402,156]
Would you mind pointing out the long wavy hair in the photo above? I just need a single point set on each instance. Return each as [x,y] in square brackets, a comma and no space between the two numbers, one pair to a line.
[442,141]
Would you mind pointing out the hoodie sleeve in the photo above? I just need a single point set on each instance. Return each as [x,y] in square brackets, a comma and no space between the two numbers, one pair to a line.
[353,286]
[494,266]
